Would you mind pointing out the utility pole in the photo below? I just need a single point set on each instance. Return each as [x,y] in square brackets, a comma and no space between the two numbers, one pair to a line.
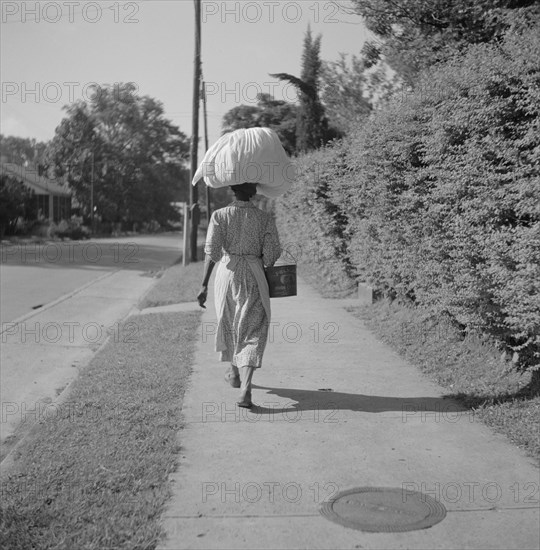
[92,194]
[208,211]
[194,192]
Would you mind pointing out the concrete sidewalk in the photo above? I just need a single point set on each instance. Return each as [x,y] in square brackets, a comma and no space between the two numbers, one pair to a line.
[337,409]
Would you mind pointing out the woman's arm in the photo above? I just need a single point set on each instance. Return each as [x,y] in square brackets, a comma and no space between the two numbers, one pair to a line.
[213,249]
[208,267]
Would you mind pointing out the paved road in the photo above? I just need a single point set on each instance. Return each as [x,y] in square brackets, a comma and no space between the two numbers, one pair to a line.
[32,275]
[85,290]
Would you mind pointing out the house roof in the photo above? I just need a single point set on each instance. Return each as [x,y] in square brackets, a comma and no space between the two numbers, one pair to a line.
[30,177]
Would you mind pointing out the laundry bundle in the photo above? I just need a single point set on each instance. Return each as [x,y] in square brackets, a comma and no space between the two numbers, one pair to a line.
[248,155]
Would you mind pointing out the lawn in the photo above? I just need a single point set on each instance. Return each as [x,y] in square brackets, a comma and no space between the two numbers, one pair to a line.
[177,284]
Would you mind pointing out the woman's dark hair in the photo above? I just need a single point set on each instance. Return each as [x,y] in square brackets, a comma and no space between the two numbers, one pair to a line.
[245,189]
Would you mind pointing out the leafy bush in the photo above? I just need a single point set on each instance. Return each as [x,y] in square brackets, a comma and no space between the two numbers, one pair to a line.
[311,227]
[69,229]
[436,198]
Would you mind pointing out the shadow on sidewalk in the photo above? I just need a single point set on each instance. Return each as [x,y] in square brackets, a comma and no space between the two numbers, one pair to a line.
[311,400]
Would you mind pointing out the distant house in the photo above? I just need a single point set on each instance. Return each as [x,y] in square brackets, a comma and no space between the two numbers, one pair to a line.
[53,198]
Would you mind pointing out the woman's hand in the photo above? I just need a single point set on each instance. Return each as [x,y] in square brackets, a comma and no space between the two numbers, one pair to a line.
[201,297]
[208,267]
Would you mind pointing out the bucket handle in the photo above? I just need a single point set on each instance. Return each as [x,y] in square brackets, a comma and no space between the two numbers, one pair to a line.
[287,254]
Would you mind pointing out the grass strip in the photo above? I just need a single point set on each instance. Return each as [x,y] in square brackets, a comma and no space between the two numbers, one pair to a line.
[95,475]
[178,284]
[474,371]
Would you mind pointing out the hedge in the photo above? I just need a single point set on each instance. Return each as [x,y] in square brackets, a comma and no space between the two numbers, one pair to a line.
[311,228]
[436,198]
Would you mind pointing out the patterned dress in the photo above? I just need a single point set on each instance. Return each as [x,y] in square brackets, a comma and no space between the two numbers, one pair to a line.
[240,239]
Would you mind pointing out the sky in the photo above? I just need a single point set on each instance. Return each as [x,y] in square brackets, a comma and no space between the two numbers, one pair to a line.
[52,51]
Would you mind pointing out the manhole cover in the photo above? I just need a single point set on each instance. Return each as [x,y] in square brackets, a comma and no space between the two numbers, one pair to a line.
[383,509]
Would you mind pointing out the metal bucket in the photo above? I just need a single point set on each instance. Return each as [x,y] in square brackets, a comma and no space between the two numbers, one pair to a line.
[281,280]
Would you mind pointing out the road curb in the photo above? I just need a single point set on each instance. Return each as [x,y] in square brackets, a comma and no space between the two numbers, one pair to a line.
[55,302]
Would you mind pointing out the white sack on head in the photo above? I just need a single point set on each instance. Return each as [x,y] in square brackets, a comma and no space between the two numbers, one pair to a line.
[250,155]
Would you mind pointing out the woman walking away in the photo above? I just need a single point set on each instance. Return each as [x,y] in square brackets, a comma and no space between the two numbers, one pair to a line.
[242,239]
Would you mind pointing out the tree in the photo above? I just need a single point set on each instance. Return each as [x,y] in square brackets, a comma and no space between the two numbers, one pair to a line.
[242,116]
[278,115]
[136,156]
[343,91]
[22,151]
[16,201]
[312,125]
[415,34]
